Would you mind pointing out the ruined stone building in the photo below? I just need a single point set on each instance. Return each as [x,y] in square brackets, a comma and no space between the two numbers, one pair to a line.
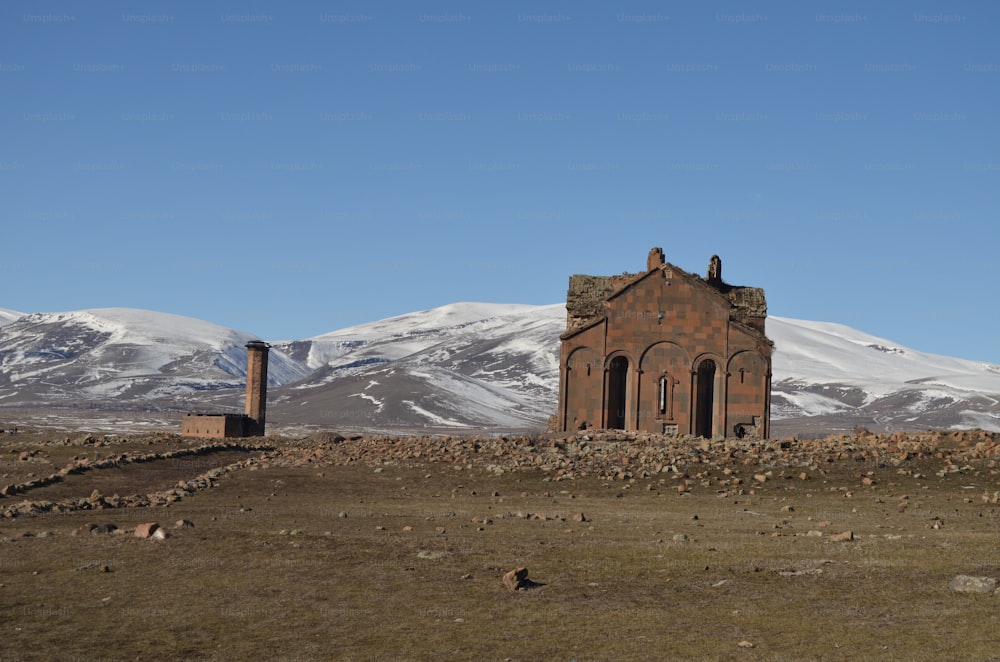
[251,422]
[665,351]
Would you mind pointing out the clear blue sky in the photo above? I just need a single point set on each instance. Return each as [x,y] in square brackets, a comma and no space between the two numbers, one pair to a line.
[288,169]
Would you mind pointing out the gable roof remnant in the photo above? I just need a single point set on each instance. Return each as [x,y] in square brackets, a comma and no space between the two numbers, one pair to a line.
[588,296]
[586,299]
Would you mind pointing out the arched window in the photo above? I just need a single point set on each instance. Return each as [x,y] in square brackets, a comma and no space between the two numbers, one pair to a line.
[665,396]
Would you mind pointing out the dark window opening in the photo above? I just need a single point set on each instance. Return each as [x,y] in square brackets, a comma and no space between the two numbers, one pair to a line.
[705,399]
[617,379]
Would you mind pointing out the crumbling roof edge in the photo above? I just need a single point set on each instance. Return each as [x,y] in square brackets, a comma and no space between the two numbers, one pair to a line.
[757,333]
[595,321]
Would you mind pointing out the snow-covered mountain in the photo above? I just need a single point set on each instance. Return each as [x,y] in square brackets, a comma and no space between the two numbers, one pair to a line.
[836,375]
[460,367]
[123,355]
[7,316]
[464,365]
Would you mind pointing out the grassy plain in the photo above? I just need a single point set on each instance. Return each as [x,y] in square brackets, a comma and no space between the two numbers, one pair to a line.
[404,561]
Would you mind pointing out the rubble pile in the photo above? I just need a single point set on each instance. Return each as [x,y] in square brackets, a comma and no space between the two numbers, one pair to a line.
[611,455]
[618,455]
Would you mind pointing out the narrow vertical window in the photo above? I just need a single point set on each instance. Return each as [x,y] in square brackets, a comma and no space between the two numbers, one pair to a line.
[663,395]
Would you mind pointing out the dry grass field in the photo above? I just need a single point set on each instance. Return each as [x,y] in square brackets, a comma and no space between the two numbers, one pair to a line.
[327,553]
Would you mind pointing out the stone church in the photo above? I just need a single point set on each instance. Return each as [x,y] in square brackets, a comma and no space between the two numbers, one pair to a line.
[665,351]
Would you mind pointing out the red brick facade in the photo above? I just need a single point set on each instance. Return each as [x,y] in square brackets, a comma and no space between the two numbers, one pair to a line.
[214,426]
[665,351]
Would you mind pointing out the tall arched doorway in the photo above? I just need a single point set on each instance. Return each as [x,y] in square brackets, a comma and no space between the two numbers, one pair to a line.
[704,399]
[617,381]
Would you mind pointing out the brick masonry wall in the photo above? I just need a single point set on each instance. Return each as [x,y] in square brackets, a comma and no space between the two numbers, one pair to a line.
[256,398]
[665,324]
[213,426]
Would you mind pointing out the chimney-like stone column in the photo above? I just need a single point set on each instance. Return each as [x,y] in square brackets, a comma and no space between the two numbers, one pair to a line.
[256,403]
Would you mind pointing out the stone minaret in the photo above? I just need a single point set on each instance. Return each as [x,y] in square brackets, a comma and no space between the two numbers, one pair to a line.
[256,387]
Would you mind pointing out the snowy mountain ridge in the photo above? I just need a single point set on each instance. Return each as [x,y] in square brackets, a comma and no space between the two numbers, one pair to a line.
[125,354]
[464,366]
[824,352]
[7,316]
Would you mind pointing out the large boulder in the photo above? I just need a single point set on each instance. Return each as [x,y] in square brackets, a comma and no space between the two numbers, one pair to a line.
[146,530]
[517,579]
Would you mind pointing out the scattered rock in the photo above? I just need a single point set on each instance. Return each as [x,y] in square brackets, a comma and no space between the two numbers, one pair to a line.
[97,529]
[427,554]
[970,584]
[183,524]
[842,537]
[517,580]
[799,573]
[145,530]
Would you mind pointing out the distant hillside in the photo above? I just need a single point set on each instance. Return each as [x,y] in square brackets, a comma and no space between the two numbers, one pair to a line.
[460,367]
[118,356]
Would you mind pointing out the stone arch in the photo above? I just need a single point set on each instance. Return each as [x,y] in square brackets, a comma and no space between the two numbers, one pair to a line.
[664,398]
[584,359]
[619,368]
[707,395]
[747,361]
[583,389]
[615,354]
[649,354]
[747,385]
